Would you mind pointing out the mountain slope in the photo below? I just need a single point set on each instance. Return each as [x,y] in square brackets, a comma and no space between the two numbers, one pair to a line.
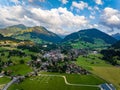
[112,54]
[8,31]
[37,34]
[116,36]
[116,45]
[90,37]
[2,38]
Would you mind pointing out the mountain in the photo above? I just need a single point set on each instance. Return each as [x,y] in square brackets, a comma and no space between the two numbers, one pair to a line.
[116,45]
[11,30]
[2,38]
[112,54]
[89,38]
[116,36]
[37,34]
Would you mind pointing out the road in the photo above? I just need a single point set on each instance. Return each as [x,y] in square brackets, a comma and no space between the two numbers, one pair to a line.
[10,83]
[67,83]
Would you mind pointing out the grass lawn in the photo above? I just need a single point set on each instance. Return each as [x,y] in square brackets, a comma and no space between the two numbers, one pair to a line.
[4,80]
[84,79]
[21,69]
[56,83]
[111,74]
[91,60]
[101,68]
[79,79]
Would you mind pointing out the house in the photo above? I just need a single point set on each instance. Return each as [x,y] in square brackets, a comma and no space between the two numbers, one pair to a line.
[107,86]
[94,52]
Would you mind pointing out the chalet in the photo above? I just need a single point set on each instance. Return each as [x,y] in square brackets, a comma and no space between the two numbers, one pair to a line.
[107,86]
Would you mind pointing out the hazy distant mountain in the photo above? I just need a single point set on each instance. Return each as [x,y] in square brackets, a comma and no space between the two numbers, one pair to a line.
[90,37]
[37,34]
[116,36]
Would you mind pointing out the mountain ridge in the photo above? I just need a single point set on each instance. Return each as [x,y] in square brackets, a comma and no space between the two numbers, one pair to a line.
[90,33]
[36,34]
[89,38]
[40,34]
[116,36]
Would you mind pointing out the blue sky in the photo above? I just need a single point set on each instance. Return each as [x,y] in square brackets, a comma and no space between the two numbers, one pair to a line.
[62,16]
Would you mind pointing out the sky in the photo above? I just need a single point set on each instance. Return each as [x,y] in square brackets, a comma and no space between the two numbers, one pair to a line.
[62,16]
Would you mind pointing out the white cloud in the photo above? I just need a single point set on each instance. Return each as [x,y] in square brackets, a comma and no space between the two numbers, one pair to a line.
[15,1]
[96,8]
[99,2]
[30,0]
[81,5]
[92,17]
[42,0]
[90,8]
[111,18]
[64,1]
[59,20]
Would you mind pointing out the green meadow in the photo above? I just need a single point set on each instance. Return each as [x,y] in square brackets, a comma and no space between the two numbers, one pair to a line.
[58,83]
[101,68]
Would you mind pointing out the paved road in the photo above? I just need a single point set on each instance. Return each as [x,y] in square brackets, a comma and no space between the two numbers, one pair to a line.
[10,83]
[67,83]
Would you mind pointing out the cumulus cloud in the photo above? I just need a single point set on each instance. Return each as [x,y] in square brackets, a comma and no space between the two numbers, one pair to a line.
[58,20]
[42,0]
[34,1]
[30,0]
[111,18]
[81,5]
[92,17]
[15,1]
[99,2]
[64,1]
[96,8]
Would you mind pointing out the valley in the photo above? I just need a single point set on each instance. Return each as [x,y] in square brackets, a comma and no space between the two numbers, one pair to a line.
[59,44]
[77,62]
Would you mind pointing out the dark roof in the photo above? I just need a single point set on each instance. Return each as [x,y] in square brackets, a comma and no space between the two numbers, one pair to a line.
[107,86]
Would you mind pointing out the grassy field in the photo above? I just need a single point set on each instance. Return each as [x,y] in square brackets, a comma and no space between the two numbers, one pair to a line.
[82,44]
[20,69]
[101,68]
[92,60]
[111,74]
[57,83]
[17,67]
[84,79]
[79,79]
[3,81]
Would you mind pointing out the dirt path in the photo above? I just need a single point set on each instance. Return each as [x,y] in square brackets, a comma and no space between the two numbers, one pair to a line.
[67,83]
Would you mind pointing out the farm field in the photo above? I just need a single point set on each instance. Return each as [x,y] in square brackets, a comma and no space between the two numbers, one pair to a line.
[111,74]
[20,69]
[92,60]
[58,83]
[3,81]
[101,68]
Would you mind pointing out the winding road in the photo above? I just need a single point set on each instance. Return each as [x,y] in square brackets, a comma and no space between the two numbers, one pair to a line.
[67,83]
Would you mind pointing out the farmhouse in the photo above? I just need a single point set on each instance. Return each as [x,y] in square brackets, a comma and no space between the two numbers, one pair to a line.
[107,87]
